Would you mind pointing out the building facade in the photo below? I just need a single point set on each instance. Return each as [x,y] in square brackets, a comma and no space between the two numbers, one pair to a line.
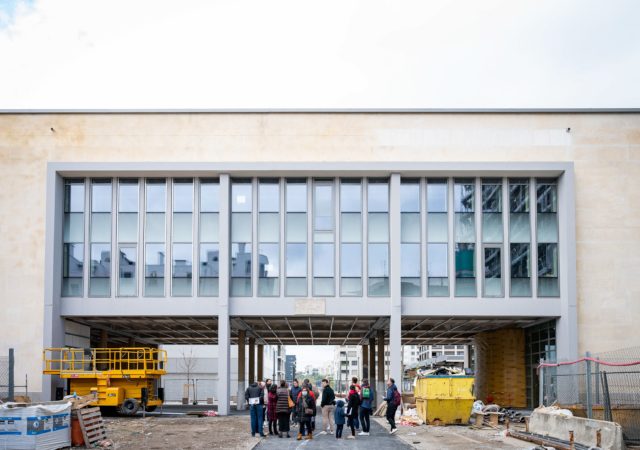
[369,229]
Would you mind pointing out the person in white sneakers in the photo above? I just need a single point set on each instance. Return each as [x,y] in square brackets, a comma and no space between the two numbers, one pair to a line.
[366,407]
[393,399]
[327,403]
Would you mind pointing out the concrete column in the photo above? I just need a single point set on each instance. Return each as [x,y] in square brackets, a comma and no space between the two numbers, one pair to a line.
[104,339]
[467,356]
[241,369]
[380,376]
[395,322]
[224,325]
[365,361]
[252,360]
[54,327]
[260,362]
[372,361]
[567,323]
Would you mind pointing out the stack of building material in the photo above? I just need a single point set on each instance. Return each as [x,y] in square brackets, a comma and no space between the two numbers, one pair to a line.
[500,367]
[40,426]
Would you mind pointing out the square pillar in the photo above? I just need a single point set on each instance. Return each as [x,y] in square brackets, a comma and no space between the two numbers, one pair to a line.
[260,362]
[224,363]
[372,361]
[395,321]
[241,370]
[224,324]
[380,376]
[365,361]
[252,360]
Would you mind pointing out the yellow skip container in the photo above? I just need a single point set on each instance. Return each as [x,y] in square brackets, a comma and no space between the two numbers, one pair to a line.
[444,399]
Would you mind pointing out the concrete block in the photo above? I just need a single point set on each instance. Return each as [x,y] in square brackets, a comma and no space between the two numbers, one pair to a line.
[547,422]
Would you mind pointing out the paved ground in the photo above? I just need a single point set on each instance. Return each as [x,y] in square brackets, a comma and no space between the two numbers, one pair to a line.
[455,437]
[378,439]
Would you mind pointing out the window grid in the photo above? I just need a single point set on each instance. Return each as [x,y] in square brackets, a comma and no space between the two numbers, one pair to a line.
[520,237]
[126,218]
[128,207]
[100,238]
[241,238]
[438,219]
[464,201]
[73,238]
[208,236]
[410,238]
[351,232]
[155,235]
[378,237]
[296,229]
[268,238]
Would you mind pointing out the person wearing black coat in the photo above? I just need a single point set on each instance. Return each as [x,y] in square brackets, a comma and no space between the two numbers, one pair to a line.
[353,402]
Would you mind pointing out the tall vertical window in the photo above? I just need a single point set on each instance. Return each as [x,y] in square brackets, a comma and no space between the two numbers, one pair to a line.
[182,238]
[547,238]
[437,238]
[378,237]
[269,238]
[465,238]
[100,232]
[520,238]
[155,237]
[296,238]
[128,206]
[351,238]
[209,240]
[241,238]
[323,238]
[73,239]
[492,237]
[410,227]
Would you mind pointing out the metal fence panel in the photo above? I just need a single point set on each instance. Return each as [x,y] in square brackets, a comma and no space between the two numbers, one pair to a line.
[598,390]
[4,377]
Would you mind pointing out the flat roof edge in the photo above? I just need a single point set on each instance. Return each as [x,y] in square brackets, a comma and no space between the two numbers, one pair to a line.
[327,111]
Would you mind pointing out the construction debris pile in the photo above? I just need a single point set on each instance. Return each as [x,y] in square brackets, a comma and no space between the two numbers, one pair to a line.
[492,415]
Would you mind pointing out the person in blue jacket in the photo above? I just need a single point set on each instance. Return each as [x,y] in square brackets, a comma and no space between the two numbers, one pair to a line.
[339,418]
[393,401]
[366,407]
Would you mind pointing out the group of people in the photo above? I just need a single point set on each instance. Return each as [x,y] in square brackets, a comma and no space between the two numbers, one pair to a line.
[296,406]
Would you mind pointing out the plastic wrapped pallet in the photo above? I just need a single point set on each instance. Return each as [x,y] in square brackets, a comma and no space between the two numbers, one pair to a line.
[38,426]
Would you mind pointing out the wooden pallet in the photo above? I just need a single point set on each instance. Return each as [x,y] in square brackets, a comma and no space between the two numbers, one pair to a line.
[92,426]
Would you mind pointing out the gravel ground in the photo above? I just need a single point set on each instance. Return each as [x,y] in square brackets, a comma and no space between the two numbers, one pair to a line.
[180,432]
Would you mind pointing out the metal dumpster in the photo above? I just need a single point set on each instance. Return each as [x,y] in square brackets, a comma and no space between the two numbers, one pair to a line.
[444,399]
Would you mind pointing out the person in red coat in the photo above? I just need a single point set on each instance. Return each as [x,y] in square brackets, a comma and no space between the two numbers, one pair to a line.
[272,415]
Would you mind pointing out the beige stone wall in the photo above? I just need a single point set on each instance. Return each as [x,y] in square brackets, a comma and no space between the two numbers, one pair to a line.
[604,147]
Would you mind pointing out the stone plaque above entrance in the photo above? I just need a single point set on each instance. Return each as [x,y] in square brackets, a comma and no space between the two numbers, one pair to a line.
[310,306]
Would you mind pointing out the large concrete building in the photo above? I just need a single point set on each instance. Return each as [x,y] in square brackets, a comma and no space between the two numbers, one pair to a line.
[339,228]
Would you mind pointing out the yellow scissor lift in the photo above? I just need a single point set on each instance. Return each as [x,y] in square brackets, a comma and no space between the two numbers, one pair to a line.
[124,379]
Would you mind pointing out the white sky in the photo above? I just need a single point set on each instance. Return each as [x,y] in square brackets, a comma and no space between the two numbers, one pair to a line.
[323,54]
[315,356]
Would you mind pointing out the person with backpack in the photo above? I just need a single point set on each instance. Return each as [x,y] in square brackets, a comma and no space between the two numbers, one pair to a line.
[339,418]
[393,399]
[366,407]
[354,381]
[295,390]
[353,402]
[327,403]
[305,407]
